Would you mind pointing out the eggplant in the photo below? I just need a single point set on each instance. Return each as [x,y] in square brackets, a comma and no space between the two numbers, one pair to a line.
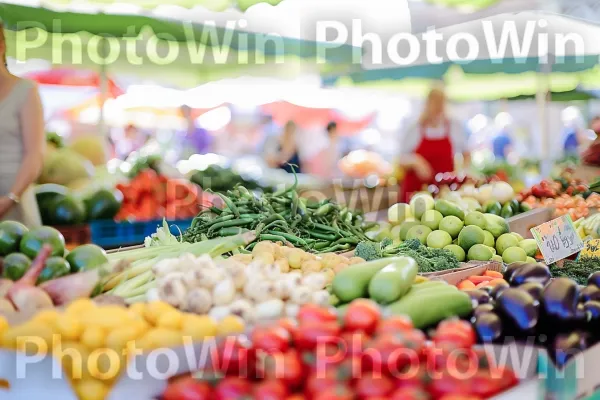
[483,308]
[594,279]
[530,273]
[519,308]
[499,288]
[592,308]
[535,289]
[589,293]
[478,297]
[511,269]
[488,327]
[559,300]
[568,345]
[487,289]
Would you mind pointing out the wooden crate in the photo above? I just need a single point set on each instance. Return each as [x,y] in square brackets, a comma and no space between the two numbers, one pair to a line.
[75,235]
[522,223]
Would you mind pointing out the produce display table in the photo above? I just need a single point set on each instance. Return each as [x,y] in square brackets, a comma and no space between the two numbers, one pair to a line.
[586,173]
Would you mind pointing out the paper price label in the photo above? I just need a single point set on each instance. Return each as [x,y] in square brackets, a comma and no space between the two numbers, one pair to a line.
[557,239]
[591,248]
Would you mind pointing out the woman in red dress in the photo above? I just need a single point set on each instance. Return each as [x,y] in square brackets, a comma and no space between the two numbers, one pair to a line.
[429,148]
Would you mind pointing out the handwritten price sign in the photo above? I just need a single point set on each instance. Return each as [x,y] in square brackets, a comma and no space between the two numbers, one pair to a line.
[591,249]
[557,239]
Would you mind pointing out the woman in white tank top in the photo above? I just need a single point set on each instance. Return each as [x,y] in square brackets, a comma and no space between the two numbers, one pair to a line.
[22,144]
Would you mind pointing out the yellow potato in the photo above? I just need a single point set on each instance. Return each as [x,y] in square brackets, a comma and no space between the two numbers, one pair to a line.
[33,329]
[154,310]
[48,316]
[80,306]
[69,327]
[3,324]
[311,266]
[93,337]
[230,325]
[340,267]
[107,317]
[118,338]
[264,258]
[283,265]
[263,247]
[329,260]
[91,389]
[243,258]
[160,337]
[295,258]
[198,326]
[73,357]
[137,309]
[329,274]
[170,320]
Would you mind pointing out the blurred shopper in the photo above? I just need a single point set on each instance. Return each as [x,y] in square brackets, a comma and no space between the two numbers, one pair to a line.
[284,153]
[571,141]
[197,139]
[591,156]
[324,150]
[22,145]
[502,145]
[430,146]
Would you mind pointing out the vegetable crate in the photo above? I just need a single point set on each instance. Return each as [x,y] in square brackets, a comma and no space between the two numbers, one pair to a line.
[110,234]
[75,235]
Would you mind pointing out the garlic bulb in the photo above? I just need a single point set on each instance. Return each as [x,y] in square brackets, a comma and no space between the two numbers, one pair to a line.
[223,292]
[198,301]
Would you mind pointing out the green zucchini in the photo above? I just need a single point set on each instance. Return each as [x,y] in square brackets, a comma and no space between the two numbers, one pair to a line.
[393,281]
[430,308]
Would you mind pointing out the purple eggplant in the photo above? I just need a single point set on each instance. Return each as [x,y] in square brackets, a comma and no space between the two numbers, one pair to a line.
[569,345]
[499,288]
[594,279]
[560,299]
[592,309]
[511,269]
[478,297]
[535,289]
[488,327]
[530,273]
[483,308]
[519,309]
[589,293]
[487,289]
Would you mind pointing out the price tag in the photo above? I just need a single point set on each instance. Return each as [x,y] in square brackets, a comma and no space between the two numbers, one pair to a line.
[557,239]
[591,249]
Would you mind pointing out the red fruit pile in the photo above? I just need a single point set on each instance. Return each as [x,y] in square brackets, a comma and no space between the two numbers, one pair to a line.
[361,357]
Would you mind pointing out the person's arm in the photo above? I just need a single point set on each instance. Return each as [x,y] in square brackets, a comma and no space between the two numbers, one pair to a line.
[34,143]
[408,158]
[458,135]
[288,148]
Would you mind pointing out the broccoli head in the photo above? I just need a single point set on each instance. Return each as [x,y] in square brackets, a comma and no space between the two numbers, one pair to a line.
[368,250]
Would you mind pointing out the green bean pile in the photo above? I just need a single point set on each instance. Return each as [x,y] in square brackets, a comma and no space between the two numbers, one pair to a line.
[319,227]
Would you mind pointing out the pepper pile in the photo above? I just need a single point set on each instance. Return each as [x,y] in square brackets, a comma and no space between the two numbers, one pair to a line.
[319,227]
[364,357]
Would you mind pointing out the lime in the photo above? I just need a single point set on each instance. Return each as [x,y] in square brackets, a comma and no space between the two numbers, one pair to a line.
[431,219]
[470,236]
[475,218]
[86,257]
[530,246]
[479,252]
[405,227]
[514,254]
[398,213]
[497,258]
[419,232]
[451,224]
[439,239]
[421,203]
[33,241]
[55,267]
[11,233]
[489,239]
[505,241]
[458,251]
[15,265]
[448,208]
[530,260]
[519,237]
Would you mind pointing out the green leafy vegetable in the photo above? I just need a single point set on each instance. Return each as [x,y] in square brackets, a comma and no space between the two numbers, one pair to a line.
[579,270]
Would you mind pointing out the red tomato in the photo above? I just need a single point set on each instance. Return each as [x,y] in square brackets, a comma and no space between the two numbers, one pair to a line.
[288,324]
[312,334]
[187,388]
[339,392]
[394,324]
[459,397]
[286,367]
[270,390]
[372,385]
[392,352]
[505,378]
[362,315]
[271,339]
[234,356]
[313,313]
[232,388]
[412,376]
[325,357]
[446,384]
[355,342]
[296,397]
[318,382]
[483,385]
[410,393]
[458,332]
